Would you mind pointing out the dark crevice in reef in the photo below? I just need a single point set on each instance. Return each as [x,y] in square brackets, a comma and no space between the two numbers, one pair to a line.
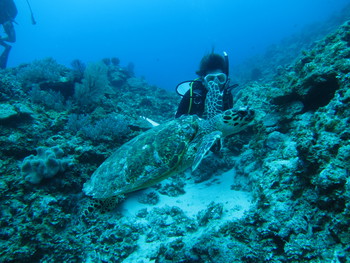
[321,92]
[315,92]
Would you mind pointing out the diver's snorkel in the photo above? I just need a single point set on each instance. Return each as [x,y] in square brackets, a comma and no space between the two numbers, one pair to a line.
[31,14]
[226,69]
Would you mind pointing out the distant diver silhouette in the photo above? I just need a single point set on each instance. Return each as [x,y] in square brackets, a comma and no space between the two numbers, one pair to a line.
[8,13]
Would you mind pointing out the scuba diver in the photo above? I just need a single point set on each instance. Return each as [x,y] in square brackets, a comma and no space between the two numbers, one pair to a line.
[213,67]
[8,12]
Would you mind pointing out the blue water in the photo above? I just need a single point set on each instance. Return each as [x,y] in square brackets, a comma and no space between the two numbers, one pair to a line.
[165,39]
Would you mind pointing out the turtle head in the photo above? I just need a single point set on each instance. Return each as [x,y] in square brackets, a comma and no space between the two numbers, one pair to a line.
[234,120]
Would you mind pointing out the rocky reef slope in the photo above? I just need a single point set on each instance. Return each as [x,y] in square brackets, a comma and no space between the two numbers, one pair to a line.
[279,192]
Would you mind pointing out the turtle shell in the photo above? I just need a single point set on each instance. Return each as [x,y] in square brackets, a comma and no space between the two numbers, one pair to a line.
[145,160]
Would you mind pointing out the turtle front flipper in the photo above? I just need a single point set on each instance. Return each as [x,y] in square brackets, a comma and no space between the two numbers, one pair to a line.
[207,142]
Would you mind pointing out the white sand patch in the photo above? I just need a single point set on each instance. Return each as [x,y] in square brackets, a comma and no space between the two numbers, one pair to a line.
[197,197]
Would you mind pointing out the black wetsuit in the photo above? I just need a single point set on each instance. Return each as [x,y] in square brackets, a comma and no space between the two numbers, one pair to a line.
[8,11]
[198,101]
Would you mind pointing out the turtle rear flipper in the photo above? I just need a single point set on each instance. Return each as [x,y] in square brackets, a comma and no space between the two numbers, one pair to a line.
[207,142]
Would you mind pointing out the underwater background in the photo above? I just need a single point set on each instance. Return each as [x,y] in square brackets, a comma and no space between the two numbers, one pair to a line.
[279,191]
[165,40]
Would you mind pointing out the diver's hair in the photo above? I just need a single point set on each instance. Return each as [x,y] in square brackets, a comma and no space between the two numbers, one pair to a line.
[211,62]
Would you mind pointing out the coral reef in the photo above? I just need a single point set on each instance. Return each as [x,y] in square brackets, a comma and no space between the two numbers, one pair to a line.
[46,164]
[278,192]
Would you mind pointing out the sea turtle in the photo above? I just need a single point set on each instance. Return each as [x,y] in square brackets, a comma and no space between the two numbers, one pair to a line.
[214,100]
[162,151]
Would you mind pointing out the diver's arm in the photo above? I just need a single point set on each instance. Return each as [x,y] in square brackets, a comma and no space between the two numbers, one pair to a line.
[227,100]
[183,106]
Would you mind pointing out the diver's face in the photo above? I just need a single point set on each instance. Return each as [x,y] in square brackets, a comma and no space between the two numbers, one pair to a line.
[215,78]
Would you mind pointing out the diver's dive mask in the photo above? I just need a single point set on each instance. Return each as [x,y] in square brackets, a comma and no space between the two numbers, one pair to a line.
[218,78]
